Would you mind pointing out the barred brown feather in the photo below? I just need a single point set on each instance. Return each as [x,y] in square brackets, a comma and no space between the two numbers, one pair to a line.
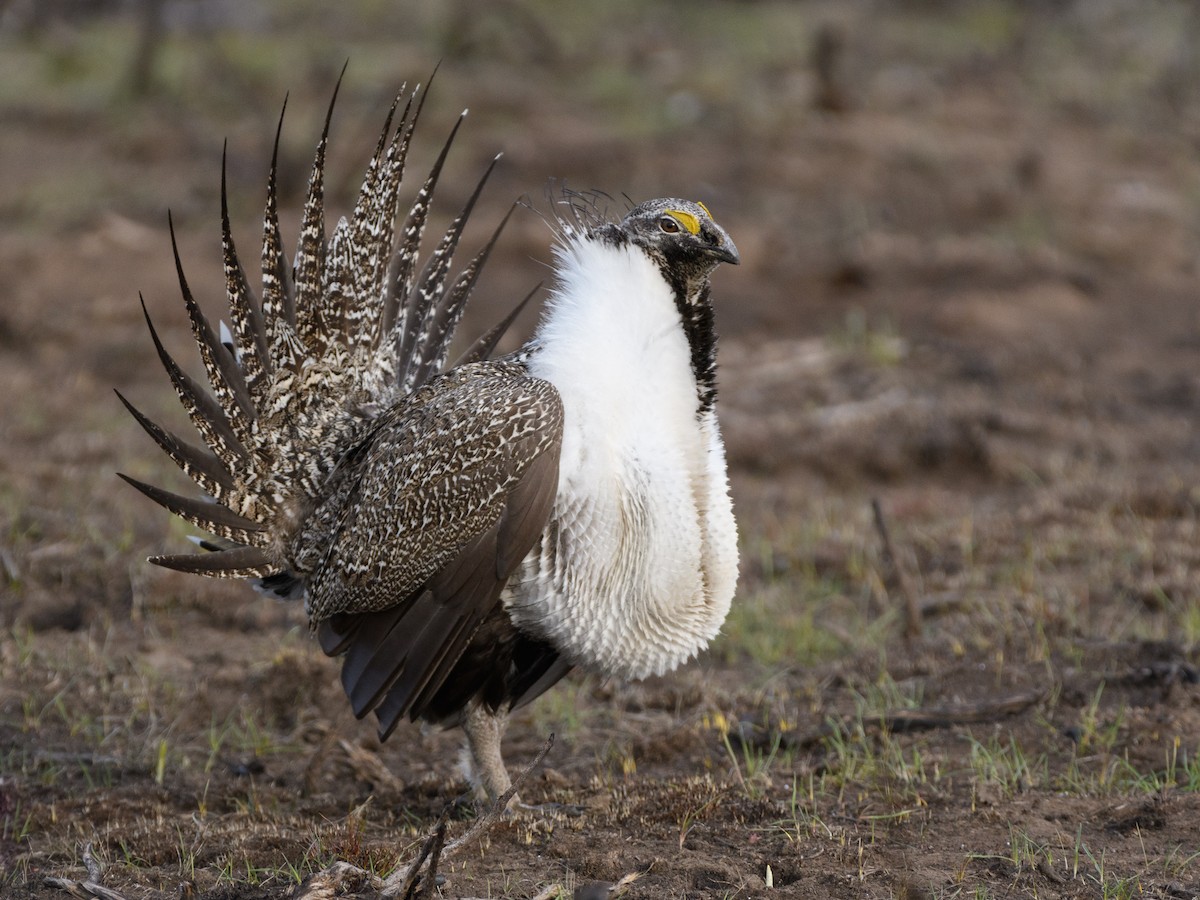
[205,413]
[199,465]
[248,329]
[325,346]
[228,383]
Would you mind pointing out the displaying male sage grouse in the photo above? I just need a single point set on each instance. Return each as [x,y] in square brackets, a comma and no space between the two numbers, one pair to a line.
[462,536]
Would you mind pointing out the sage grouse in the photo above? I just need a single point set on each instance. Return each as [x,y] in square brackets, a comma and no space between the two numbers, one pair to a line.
[462,536]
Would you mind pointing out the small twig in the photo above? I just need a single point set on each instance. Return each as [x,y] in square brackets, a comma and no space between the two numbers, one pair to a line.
[912,609]
[414,868]
[1044,866]
[928,717]
[95,868]
[960,713]
[439,839]
[91,888]
[400,883]
[74,888]
[480,825]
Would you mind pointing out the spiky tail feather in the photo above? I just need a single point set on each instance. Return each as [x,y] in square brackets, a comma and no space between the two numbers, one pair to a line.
[336,336]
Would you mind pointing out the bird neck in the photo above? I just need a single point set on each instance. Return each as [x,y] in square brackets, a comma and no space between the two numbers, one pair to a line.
[616,310]
[696,312]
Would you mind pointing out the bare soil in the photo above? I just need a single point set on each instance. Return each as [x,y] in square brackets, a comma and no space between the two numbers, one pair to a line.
[968,291]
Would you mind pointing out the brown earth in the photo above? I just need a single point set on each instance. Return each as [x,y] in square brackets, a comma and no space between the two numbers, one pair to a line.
[968,291]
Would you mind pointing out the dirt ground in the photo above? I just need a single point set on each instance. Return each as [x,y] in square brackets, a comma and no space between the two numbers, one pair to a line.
[970,236]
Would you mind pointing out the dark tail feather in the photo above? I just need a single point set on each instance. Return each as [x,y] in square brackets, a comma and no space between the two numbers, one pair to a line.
[398,279]
[205,514]
[242,562]
[279,294]
[199,465]
[310,250]
[548,671]
[414,229]
[486,342]
[201,408]
[335,633]
[450,311]
[430,289]
[248,328]
[221,368]
[277,583]
[282,585]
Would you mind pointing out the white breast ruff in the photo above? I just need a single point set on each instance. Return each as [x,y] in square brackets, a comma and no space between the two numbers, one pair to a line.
[638,566]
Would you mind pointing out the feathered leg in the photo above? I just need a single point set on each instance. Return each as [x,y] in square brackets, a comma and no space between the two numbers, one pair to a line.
[484,731]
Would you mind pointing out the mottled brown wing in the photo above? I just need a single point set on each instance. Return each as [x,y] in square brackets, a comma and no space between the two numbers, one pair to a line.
[447,498]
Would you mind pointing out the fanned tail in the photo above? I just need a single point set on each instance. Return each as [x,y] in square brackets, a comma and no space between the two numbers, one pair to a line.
[339,334]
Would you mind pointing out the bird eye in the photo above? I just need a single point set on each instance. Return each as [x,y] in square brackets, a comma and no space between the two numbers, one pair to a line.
[669,225]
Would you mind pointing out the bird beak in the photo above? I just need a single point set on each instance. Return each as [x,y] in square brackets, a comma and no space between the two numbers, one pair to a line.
[725,251]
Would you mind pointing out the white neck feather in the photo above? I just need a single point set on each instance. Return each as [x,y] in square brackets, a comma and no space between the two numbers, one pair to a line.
[612,343]
[647,560]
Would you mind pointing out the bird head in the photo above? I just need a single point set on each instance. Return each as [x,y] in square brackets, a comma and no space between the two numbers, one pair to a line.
[681,236]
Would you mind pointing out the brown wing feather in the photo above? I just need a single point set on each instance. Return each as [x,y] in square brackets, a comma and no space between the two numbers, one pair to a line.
[400,646]
[455,611]
[499,553]
[450,495]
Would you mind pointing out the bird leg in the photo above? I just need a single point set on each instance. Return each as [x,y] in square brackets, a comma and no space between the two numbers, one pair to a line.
[484,731]
[486,768]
